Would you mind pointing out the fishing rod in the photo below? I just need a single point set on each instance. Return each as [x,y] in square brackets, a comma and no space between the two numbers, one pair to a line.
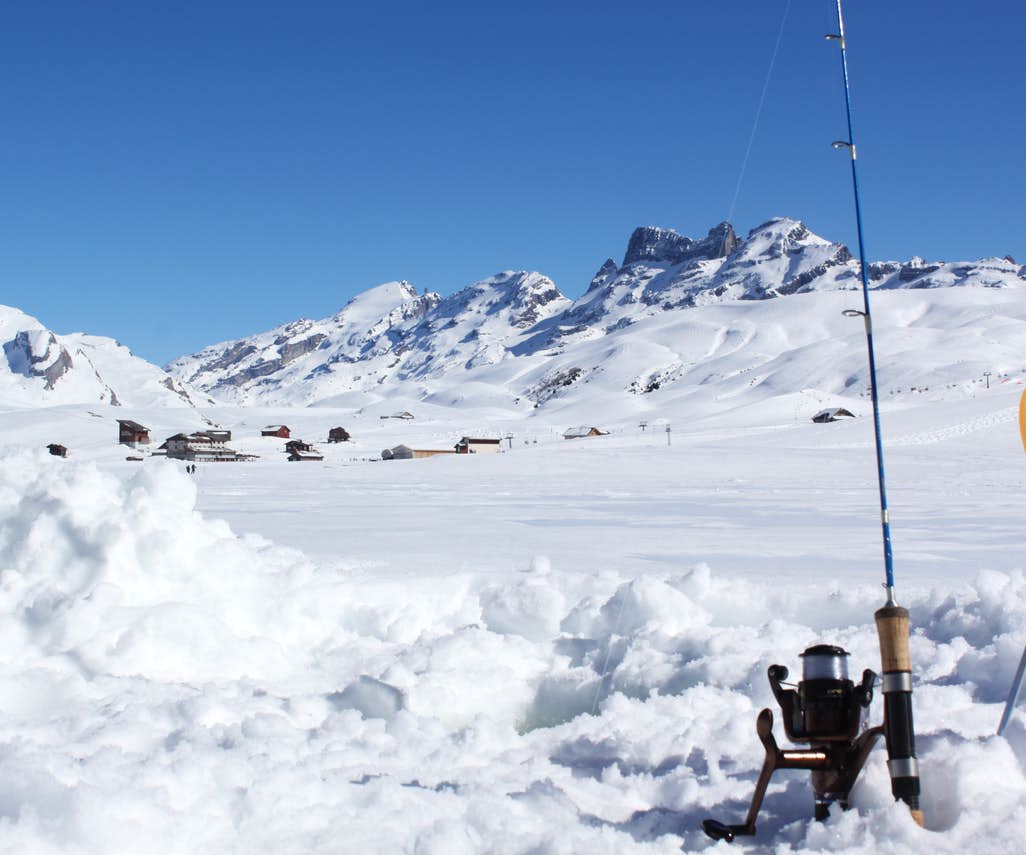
[892,621]
[827,709]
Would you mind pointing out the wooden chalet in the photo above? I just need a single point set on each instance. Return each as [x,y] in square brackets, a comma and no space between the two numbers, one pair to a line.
[57,450]
[132,433]
[583,431]
[296,445]
[280,431]
[338,434]
[478,445]
[305,454]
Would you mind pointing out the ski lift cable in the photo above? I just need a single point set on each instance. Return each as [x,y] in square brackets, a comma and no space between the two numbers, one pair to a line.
[758,112]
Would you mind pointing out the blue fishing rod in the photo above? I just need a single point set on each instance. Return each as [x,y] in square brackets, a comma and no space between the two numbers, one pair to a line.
[827,709]
[892,621]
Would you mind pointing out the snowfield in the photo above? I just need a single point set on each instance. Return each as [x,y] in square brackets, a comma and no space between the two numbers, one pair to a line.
[559,649]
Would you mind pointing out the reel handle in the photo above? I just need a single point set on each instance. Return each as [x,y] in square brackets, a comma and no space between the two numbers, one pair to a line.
[776,675]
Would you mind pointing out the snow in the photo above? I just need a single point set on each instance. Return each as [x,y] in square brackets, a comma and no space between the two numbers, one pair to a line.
[560,648]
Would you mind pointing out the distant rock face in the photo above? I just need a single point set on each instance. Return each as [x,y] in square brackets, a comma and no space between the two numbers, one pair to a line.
[650,244]
[392,337]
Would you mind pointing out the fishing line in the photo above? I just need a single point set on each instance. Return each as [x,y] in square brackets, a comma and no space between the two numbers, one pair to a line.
[609,648]
[758,112]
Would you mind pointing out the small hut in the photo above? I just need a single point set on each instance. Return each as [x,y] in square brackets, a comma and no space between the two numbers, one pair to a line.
[132,433]
[832,415]
[478,445]
[296,445]
[280,431]
[583,431]
[338,434]
[302,454]
[57,450]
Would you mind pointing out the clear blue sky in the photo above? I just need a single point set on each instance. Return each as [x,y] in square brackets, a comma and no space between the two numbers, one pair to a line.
[174,174]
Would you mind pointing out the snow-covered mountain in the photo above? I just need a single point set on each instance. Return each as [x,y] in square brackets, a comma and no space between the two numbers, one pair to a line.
[516,338]
[386,335]
[39,367]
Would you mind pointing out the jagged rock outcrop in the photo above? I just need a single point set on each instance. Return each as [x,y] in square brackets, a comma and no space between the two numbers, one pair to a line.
[650,244]
[37,353]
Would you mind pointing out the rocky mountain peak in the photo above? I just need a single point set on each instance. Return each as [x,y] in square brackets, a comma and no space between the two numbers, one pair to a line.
[379,301]
[605,273]
[652,244]
[521,296]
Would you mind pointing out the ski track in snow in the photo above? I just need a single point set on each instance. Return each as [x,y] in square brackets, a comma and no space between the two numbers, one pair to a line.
[932,436]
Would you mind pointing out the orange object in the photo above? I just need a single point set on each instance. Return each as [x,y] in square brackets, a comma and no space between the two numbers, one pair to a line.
[1022,419]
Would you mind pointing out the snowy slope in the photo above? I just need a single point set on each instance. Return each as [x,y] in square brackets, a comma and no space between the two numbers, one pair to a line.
[514,337]
[40,368]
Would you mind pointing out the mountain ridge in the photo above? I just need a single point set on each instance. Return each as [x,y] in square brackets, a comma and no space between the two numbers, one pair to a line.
[676,314]
[392,336]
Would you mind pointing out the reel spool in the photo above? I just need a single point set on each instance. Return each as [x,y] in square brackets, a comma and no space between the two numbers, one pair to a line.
[826,710]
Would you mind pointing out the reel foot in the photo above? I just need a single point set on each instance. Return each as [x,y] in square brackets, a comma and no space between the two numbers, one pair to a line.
[721,831]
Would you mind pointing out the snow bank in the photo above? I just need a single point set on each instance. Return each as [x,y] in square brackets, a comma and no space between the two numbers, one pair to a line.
[168,686]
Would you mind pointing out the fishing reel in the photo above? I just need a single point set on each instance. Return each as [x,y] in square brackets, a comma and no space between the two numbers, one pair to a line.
[826,710]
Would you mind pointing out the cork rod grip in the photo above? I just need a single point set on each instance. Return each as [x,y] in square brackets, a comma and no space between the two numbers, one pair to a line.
[892,627]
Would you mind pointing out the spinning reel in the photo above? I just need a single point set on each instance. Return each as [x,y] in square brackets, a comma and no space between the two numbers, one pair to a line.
[828,711]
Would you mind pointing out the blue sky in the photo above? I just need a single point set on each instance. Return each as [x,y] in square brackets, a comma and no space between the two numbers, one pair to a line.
[180,173]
